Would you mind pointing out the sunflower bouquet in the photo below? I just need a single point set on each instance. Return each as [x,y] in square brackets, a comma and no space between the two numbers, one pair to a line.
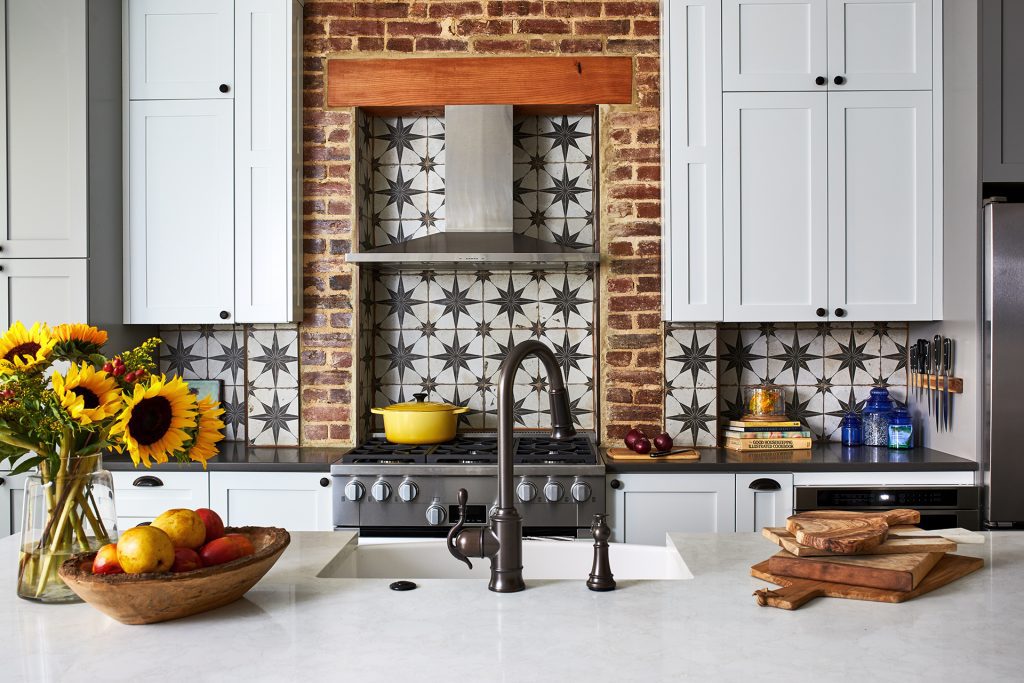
[62,404]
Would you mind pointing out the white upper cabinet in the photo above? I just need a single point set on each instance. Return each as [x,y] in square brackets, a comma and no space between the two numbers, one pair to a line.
[180,212]
[43,184]
[774,45]
[880,205]
[775,166]
[181,49]
[692,173]
[214,178]
[880,44]
[45,290]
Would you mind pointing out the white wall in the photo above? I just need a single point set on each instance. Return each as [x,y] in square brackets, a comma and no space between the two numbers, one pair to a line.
[962,277]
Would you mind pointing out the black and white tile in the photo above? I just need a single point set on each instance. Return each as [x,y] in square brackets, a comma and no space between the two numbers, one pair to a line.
[274,417]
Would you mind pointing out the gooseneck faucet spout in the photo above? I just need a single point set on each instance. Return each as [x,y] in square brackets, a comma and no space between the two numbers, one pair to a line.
[502,541]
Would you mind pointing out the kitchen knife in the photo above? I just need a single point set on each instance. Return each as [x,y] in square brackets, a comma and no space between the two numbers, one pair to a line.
[926,366]
[936,371]
[913,370]
[950,356]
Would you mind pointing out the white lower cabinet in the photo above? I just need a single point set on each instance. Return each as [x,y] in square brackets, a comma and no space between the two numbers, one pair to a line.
[142,495]
[763,499]
[297,501]
[644,507]
[12,499]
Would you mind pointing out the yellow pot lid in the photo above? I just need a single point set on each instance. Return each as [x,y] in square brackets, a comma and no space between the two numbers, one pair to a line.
[419,407]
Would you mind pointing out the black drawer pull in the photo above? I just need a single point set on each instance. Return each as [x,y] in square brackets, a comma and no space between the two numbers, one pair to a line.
[325,482]
[147,481]
[765,485]
[616,484]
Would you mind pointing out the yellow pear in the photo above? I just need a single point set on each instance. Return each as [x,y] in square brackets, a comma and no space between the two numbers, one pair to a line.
[185,527]
[144,549]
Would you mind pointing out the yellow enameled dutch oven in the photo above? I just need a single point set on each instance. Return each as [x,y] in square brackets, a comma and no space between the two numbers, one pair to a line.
[420,421]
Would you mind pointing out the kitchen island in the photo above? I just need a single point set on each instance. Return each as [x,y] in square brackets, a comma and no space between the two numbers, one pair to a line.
[296,626]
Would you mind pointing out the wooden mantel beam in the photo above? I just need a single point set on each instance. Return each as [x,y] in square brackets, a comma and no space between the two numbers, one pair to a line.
[438,81]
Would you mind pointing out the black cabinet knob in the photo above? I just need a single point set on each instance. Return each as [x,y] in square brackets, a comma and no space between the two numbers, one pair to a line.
[821,312]
[224,87]
[224,315]
[820,80]
[840,312]
[325,482]
[839,80]
[616,484]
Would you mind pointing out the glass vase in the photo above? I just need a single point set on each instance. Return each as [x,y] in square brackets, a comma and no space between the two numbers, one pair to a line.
[66,512]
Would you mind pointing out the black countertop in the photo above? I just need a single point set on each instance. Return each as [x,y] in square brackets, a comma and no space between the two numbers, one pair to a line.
[237,456]
[829,457]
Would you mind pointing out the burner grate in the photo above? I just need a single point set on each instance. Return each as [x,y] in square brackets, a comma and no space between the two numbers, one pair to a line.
[475,450]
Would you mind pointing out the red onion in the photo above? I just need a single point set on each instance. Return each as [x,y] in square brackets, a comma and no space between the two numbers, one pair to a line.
[642,445]
[632,436]
[663,442]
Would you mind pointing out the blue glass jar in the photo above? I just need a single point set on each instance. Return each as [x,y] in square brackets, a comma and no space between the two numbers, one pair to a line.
[851,430]
[901,429]
[876,418]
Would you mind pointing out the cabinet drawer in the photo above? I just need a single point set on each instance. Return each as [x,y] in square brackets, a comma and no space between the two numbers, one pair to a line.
[763,499]
[145,494]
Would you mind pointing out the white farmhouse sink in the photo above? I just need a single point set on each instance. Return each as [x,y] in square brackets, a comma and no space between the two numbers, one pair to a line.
[541,560]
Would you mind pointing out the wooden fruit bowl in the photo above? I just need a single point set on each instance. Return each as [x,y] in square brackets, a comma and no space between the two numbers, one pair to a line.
[150,598]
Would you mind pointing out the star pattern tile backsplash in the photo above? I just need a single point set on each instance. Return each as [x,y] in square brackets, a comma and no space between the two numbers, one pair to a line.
[445,333]
[258,366]
[825,369]
[400,178]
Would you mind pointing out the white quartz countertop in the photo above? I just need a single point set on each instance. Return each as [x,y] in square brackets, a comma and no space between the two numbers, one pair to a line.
[295,626]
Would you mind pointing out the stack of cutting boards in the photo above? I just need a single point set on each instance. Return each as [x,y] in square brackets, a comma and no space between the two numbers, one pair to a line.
[859,556]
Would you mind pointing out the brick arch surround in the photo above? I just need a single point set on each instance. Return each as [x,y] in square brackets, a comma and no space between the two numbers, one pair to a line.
[631,366]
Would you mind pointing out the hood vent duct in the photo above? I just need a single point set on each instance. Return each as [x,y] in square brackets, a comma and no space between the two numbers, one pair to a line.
[478,204]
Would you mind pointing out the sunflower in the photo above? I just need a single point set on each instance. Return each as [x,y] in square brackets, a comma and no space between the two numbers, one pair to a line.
[153,422]
[22,350]
[208,432]
[89,395]
[80,334]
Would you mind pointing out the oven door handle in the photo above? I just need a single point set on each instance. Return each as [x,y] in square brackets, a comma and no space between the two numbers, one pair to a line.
[765,484]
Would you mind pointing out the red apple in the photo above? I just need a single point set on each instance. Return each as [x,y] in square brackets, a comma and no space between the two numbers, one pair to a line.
[185,560]
[106,560]
[663,442]
[642,446]
[219,551]
[243,543]
[214,524]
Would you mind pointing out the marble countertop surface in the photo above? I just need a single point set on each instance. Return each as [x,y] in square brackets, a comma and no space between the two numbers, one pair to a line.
[295,626]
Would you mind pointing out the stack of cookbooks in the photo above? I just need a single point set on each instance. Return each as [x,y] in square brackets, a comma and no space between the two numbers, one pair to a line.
[760,435]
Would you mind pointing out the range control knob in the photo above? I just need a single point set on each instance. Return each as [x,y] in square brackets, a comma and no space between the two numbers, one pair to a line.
[526,491]
[380,491]
[435,515]
[553,491]
[408,490]
[354,490]
[581,491]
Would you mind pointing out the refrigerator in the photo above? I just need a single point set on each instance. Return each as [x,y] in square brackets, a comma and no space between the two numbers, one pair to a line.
[1002,460]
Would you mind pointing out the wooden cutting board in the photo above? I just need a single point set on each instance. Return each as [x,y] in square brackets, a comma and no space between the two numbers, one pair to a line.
[888,572]
[844,532]
[626,454]
[796,592]
[892,545]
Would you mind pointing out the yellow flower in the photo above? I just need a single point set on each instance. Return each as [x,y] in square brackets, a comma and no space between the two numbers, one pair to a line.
[153,422]
[80,333]
[22,350]
[209,431]
[89,395]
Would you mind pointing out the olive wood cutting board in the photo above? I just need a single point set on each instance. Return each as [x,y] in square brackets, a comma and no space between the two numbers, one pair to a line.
[892,545]
[889,572]
[627,454]
[796,592]
[844,532]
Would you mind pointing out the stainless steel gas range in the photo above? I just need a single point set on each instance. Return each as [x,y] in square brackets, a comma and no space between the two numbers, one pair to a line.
[386,489]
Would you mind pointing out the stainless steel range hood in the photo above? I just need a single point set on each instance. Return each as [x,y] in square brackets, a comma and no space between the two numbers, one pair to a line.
[478,204]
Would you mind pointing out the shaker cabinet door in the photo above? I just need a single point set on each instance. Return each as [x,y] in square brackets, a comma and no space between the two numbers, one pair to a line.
[763,500]
[297,501]
[52,291]
[43,134]
[880,205]
[180,49]
[880,44]
[181,213]
[775,212]
[643,508]
[774,45]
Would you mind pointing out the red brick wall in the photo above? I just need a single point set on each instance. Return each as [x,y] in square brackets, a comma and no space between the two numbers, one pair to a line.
[630,333]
